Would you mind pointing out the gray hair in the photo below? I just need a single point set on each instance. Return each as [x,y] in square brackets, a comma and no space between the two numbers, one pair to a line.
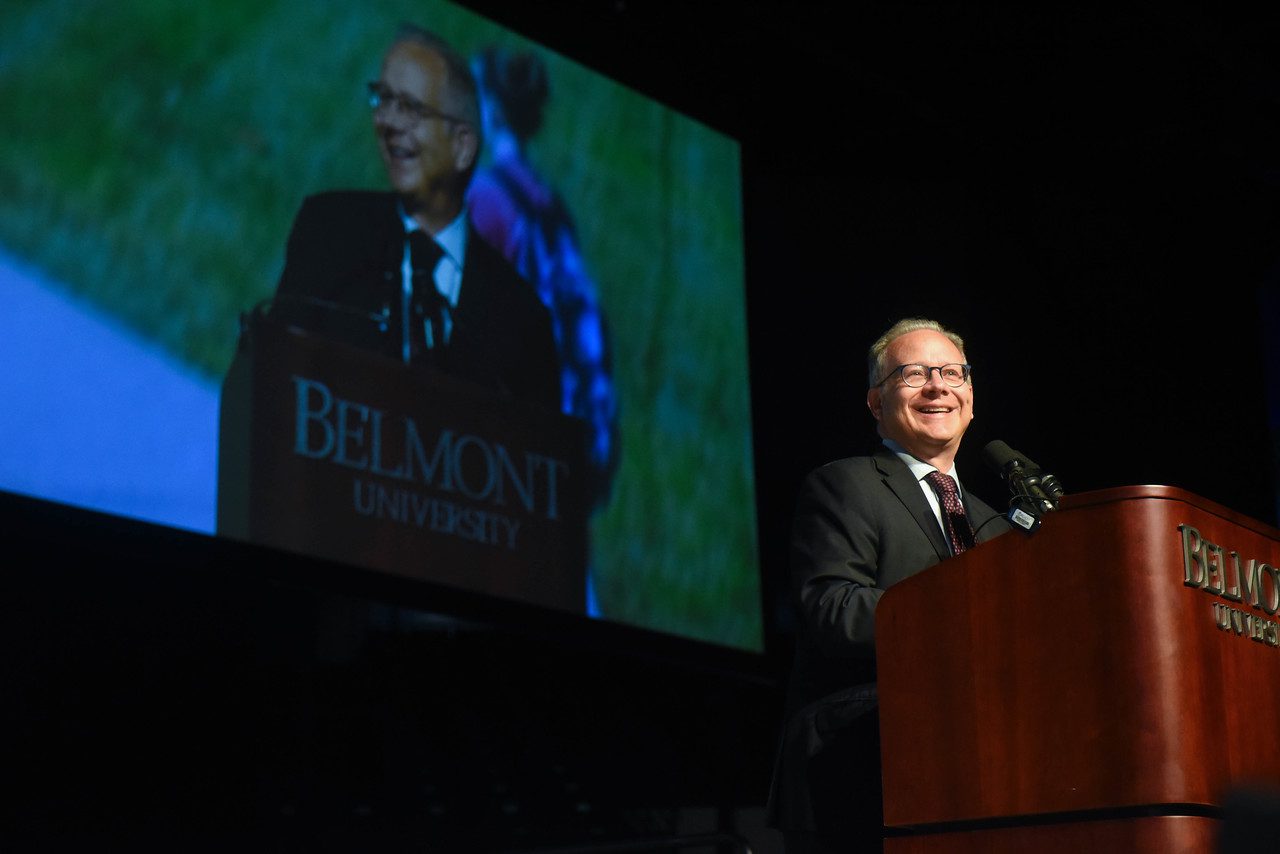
[875,356]
[461,94]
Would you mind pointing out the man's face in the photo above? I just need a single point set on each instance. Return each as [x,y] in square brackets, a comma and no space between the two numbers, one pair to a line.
[422,153]
[929,421]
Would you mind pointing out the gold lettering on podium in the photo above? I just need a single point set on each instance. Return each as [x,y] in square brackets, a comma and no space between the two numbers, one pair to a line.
[1222,574]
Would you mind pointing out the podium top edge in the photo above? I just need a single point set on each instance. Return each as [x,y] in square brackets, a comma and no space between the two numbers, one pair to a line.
[1168,493]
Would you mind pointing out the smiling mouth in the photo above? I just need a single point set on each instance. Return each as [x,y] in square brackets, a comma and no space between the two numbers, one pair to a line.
[934,410]
[399,153]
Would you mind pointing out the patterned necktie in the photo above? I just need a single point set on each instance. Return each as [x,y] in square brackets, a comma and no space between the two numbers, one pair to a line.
[959,531]
[426,309]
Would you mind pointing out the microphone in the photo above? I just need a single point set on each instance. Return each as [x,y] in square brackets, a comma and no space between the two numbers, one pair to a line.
[333,321]
[287,302]
[1032,491]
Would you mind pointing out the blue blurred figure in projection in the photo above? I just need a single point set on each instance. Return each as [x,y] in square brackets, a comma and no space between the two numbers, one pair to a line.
[526,220]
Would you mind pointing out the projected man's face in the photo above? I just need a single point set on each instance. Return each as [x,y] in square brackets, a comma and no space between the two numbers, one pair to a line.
[928,422]
[424,149]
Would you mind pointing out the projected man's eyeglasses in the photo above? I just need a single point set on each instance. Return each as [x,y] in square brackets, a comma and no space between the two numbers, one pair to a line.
[383,97]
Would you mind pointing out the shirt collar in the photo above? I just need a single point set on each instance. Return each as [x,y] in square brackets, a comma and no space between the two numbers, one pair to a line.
[920,470]
[452,238]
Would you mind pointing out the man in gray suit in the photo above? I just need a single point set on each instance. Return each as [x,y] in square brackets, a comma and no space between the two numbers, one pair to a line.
[861,525]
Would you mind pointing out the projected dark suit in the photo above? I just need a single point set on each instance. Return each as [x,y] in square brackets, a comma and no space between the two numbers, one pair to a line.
[342,279]
[861,525]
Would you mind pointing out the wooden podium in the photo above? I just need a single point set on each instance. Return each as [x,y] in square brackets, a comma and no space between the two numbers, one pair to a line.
[341,453]
[1100,685]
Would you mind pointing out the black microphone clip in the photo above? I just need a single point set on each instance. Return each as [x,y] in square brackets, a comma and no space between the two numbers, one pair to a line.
[1023,514]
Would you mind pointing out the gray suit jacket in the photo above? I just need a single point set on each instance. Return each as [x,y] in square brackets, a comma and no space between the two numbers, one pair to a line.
[861,525]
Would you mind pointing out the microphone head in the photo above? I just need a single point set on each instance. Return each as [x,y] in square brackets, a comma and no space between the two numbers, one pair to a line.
[1000,458]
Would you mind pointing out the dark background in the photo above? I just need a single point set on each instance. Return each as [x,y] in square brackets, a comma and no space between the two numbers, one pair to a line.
[1090,199]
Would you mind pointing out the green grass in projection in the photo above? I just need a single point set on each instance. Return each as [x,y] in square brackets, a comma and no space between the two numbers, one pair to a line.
[156,152]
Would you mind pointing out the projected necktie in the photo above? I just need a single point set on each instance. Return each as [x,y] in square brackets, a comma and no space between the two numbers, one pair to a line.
[427,311]
[959,531]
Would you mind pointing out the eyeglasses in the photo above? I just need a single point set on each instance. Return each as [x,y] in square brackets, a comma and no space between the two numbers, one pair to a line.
[382,95]
[917,376]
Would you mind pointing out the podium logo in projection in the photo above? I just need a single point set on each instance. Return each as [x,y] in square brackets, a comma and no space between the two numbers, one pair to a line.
[1249,589]
[444,480]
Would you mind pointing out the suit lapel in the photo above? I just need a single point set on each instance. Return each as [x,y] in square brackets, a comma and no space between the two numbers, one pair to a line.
[371,277]
[904,485]
[476,307]
[474,296]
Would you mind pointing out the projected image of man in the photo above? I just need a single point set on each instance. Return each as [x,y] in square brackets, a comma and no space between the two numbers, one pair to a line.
[405,272]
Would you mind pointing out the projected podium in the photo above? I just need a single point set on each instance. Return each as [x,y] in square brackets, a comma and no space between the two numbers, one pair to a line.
[341,453]
[1098,686]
